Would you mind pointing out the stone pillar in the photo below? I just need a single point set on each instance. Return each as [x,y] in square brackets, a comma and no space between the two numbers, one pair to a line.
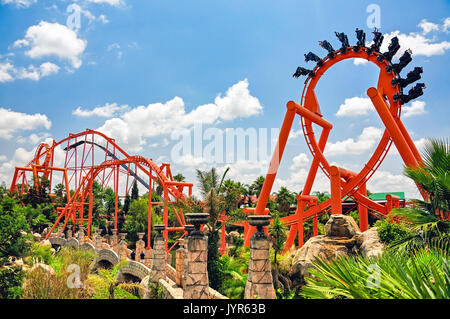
[81,234]
[115,241]
[123,247]
[259,280]
[140,246]
[158,269]
[59,232]
[69,233]
[197,283]
[179,264]
[97,239]
[189,229]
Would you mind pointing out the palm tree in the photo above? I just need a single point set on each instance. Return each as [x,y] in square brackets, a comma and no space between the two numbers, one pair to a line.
[284,200]
[257,185]
[428,219]
[277,232]
[179,178]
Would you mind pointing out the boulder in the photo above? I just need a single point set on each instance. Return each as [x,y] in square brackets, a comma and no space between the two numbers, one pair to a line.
[341,226]
[369,243]
[321,246]
[37,237]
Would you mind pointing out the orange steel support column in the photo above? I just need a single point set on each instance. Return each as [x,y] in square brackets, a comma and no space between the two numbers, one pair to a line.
[149,222]
[276,158]
[315,226]
[362,210]
[392,127]
[91,203]
[116,189]
[336,198]
[165,215]
[300,229]
[223,243]
[273,167]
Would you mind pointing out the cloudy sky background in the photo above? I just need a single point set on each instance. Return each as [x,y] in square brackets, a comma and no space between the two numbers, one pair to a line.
[144,72]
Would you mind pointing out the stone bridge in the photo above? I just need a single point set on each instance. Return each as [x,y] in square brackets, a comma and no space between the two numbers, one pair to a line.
[57,242]
[132,271]
[106,258]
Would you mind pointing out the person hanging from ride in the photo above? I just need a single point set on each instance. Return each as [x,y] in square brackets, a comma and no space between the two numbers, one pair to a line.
[133,255]
[142,255]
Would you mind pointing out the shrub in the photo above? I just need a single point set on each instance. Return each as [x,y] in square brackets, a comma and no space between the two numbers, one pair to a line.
[41,253]
[423,275]
[391,232]
[10,283]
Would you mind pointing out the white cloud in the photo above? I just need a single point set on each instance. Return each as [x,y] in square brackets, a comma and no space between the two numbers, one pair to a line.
[53,39]
[133,127]
[114,3]
[9,72]
[369,136]
[48,68]
[108,110]
[20,3]
[33,139]
[6,68]
[103,19]
[418,43]
[355,106]
[446,25]
[384,181]
[301,160]
[11,122]
[428,27]
[416,108]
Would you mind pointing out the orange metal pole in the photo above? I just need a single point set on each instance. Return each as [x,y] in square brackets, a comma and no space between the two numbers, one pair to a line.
[223,243]
[336,198]
[165,215]
[149,222]
[362,210]
[392,127]
[116,190]
[276,158]
[315,226]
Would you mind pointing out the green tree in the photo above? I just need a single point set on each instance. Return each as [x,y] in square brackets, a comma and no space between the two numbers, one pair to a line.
[179,178]
[12,223]
[277,233]
[284,200]
[428,220]
[134,191]
[126,204]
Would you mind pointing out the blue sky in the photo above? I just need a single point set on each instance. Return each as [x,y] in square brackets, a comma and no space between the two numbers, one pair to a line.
[228,63]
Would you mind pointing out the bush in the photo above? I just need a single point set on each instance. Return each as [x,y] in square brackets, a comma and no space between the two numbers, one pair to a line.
[423,275]
[41,253]
[390,232]
[10,283]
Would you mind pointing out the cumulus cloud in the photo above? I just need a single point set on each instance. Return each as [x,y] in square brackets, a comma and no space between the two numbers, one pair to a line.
[419,42]
[369,136]
[115,3]
[141,122]
[9,72]
[108,110]
[11,122]
[301,160]
[53,39]
[355,106]
[415,108]
[428,27]
[6,72]
[20,3]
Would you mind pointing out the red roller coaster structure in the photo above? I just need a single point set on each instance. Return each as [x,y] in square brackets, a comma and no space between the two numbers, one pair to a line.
[82,151]
[343,183]
[89,156]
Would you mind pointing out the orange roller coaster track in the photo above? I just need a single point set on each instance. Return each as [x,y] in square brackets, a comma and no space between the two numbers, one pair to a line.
[89,156]
[386,98]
